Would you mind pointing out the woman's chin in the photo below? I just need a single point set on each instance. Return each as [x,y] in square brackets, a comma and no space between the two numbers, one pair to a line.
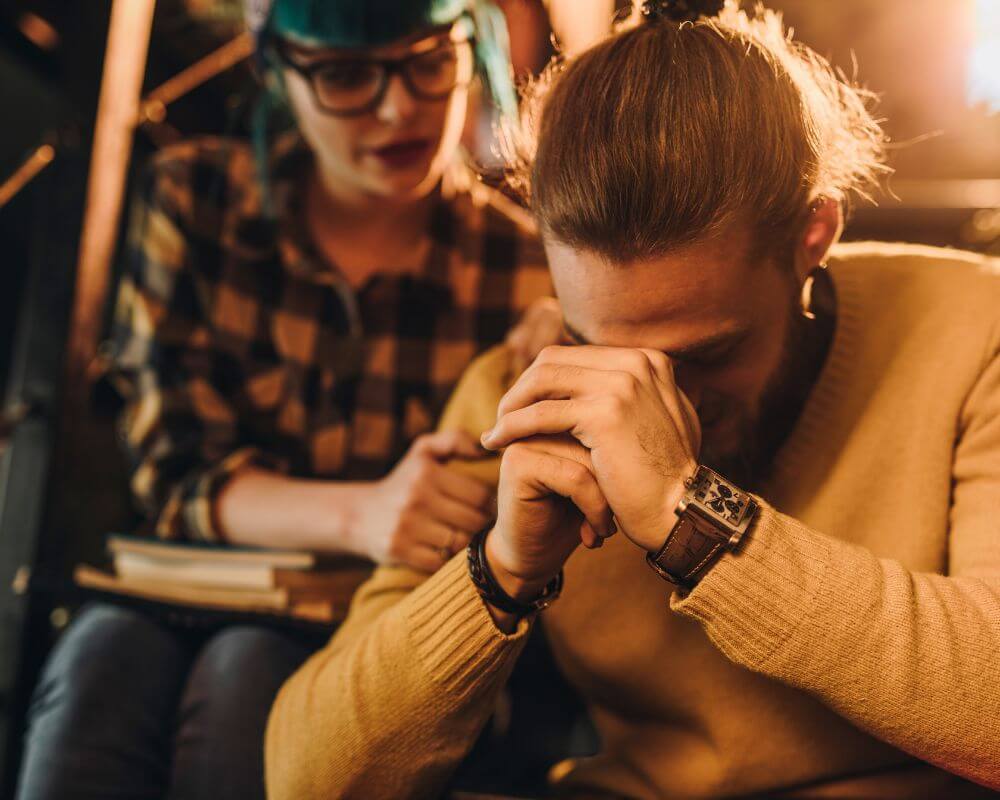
[402,184]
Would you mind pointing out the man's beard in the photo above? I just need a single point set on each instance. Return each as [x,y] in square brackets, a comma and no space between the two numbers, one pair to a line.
[764,429]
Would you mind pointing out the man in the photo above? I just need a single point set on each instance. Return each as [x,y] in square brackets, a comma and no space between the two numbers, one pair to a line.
[830,617]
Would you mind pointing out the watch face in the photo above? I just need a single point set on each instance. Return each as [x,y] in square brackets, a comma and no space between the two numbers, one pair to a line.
[721,500]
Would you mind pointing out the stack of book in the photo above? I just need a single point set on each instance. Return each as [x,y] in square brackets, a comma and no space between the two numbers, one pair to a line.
[251,580]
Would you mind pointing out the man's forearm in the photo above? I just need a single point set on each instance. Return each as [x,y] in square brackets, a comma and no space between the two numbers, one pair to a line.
[397,698]
[899,654]
[265,509]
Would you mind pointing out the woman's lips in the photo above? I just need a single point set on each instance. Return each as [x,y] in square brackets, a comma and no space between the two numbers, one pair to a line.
[400,155]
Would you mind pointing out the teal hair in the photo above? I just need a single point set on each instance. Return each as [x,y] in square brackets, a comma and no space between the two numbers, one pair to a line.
[373,23]
[359,23]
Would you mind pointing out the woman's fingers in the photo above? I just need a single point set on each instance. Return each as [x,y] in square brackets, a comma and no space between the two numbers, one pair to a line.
[425,559]
[432,545]
[454,514]
[463,488]
[447,444]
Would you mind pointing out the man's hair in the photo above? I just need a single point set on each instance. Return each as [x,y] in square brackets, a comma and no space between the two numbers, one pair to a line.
[666,133]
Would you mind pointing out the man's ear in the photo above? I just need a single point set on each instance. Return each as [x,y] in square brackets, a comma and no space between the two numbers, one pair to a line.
[821,231]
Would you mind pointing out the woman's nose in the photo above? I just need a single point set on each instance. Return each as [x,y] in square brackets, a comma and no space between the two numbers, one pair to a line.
[398,104]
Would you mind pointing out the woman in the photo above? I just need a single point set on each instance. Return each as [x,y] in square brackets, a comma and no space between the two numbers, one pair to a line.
[289,327]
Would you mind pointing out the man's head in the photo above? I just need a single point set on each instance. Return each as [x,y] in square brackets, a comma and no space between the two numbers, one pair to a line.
[379,88]
[686,179]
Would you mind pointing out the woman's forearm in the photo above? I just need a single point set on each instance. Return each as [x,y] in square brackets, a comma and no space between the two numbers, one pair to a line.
[264,509]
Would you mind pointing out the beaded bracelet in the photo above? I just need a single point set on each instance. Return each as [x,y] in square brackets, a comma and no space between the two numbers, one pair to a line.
[491,591]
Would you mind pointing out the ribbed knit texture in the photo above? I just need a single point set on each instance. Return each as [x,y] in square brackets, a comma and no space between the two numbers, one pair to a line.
[856,631]
[453,662]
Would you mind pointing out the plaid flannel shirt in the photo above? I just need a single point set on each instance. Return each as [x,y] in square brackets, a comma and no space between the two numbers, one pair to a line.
[235,343]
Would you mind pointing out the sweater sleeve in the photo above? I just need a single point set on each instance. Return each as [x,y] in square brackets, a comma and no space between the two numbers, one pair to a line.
[909,657]
[392,704]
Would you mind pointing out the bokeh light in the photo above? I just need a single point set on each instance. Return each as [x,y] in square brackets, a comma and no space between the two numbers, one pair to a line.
[984,61]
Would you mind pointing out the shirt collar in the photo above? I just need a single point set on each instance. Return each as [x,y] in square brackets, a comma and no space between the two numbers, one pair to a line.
[290,161]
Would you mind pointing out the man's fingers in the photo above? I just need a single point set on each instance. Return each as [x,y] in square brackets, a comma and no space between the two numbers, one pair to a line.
[569,448]
[661,366]
[549,331]
[546,417]
[555,382]
[551,474]
[691,422]
[540,325]
[641,363]
[517,342]
[593,356]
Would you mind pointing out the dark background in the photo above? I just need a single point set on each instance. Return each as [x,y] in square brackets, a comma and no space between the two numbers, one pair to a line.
[61,482]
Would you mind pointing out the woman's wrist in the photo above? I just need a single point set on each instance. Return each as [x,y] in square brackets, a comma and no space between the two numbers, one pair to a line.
[343,515]
[265,509]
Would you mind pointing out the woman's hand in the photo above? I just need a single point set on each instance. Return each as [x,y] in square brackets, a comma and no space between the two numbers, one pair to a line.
[539,326]
[422,513]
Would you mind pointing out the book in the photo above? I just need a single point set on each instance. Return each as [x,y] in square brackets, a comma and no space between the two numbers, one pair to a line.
[207,552]
[287,583]
[274,602]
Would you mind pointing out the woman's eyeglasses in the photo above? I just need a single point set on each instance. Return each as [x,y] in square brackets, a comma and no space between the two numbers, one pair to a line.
[348,87]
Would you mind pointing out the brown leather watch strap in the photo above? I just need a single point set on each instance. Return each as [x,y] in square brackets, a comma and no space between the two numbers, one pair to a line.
[688,553]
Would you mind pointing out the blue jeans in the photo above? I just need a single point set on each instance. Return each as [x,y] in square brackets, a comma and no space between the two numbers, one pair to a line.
[127,707]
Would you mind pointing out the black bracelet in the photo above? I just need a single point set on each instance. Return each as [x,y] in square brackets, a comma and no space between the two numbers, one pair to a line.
[491,591]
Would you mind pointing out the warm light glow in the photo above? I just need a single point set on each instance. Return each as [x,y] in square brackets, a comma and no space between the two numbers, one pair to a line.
[38,31]
[984,62]
[117,115]
[578,24]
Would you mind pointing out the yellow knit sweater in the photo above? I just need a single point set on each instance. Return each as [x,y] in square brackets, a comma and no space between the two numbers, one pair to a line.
[857,633]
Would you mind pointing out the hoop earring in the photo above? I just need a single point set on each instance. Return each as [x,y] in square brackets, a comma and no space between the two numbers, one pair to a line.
[806,295]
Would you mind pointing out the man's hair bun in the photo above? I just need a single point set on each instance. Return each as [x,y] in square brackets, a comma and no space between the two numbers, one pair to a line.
[681,10]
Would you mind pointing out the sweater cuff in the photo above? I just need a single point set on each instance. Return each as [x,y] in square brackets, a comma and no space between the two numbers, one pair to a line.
[454,634]
[753,600]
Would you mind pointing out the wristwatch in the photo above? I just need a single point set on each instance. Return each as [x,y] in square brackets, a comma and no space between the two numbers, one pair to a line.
[712,519]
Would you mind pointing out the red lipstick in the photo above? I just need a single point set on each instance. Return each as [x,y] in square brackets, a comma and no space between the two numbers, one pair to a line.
[403,154]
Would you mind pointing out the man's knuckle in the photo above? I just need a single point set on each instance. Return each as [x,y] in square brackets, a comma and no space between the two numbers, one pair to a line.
[513,458]
[635,361]
[615,408]
[657,361]
[576,475]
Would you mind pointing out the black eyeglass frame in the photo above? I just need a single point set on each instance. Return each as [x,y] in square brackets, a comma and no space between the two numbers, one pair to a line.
[387,68]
